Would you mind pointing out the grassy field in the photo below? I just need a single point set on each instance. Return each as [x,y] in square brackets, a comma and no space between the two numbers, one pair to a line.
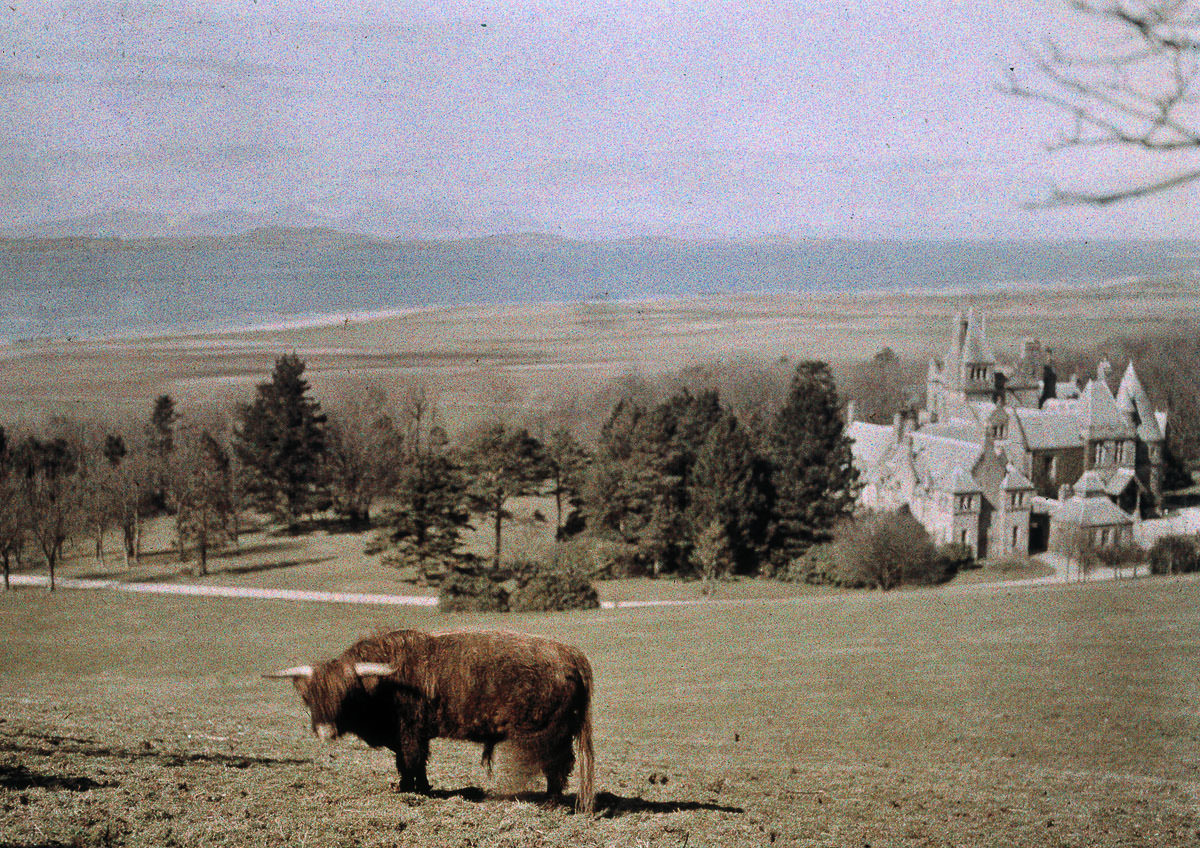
[1050,716]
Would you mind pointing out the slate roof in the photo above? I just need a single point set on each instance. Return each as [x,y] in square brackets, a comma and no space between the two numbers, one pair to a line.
[935,458]
[1014,480]
[963,429]
[960,482]
[1101,418]
[1091,512]
[1045,429]
[869,443]
[1132,398]
[1090,484]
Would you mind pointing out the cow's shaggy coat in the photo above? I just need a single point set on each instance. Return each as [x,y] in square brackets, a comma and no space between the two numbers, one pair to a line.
[401,689]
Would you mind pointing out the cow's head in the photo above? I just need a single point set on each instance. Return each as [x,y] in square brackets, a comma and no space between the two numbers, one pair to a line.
[327,690]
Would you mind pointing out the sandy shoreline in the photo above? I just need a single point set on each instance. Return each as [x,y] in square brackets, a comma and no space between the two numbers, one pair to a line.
[475,349]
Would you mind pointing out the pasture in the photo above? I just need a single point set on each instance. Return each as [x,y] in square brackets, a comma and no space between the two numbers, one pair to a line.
[1065,715]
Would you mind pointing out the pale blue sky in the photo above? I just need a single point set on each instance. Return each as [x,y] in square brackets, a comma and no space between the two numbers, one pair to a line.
[866,119]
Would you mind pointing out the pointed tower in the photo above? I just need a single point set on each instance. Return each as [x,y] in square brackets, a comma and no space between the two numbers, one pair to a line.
[977,366]
[1013,512]
[1150,439]
[1107,433]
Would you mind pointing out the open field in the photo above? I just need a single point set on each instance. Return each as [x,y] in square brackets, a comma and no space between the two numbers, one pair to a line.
[534,355]
[1050,716]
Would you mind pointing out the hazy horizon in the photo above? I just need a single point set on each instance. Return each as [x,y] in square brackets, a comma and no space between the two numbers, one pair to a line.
[715,120]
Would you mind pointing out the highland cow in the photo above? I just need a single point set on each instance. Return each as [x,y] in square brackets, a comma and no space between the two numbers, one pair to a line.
[401,689]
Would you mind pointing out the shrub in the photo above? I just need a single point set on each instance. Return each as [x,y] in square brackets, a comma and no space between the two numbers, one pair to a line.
[956,557]
[554,590]
[604,558]
[1119,556]
[884,549]
[519,586]
[472,591]
[817,566]
[1174,555]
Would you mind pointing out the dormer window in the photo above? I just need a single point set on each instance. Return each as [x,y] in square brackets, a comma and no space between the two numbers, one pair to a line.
[999,431]
[965,503]
[1016,499]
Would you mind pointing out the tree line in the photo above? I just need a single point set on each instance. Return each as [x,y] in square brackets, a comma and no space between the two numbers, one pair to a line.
[683,486]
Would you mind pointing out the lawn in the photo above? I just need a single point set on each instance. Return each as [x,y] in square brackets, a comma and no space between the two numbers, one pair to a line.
[1064,715]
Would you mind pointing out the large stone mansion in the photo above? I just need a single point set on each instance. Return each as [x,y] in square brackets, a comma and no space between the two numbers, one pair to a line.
[1008,459]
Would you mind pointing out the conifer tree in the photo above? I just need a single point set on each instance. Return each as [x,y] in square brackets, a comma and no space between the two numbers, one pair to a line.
[639,487]
[280,442]
[814,477]
[730,497]
[429,513]
[567,462]
[501,463]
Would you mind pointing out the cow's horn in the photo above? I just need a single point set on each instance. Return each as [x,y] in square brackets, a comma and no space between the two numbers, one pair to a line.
[369,669]
[293,672]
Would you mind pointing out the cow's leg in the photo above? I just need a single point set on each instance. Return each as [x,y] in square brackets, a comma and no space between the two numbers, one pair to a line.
[557,765]
[411,756]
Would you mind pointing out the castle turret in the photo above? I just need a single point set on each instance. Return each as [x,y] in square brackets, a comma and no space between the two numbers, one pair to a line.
[977,367]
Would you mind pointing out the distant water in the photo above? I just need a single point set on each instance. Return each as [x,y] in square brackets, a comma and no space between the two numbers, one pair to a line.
[89,289]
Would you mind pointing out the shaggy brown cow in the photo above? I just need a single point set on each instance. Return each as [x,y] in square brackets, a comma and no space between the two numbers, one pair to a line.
[401,689]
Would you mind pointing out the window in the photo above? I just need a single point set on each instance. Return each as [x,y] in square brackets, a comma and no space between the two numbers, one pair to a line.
[962,537]
[1016,499]
[965,503]
[1016,537]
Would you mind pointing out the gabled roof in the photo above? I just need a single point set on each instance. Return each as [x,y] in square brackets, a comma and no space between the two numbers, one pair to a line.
[935,458]
[960,482]
[1091,484]
[869,443]
[1014,480]
[1133,400]
[1045,429]
[1119,481]
[1101,418]
[1091,512]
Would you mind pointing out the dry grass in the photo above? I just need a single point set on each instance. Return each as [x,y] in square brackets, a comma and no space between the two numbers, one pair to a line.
[1057,716]
[535,356]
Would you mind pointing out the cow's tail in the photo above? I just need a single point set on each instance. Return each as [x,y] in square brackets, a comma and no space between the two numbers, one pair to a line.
[585,801]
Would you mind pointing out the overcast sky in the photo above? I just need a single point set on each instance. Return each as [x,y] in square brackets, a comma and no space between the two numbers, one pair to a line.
[862,119]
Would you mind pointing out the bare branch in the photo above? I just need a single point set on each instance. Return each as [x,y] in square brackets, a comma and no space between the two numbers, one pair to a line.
[1137,91]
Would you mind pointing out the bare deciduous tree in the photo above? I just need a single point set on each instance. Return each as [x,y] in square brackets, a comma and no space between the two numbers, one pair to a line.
[1131,89]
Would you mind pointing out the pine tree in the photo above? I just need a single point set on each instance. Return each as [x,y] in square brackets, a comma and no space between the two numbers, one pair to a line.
[567,462]
[160,445]
[501,463]
[814,477]
[638,490]
[730,497]
[280,441]
[429,512]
